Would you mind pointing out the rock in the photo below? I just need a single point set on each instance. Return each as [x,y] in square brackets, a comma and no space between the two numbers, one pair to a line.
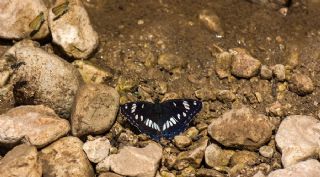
[109,174]
[206,94]
[97,149]
[279,72]
[243,64]
[226,96]
[192,132]
[204,172]
[259,174]
[94,110]
[91,73]
[308,168]
[166,174]
[277,109]
[223,64]
[16,16]
[252,130]
[4,77]
[170,61]
[265,72]
[44,78]
[301,84]
[139,162]
[37,125]
[76,37]
[104,165]
[65,158]
[21,161]
[266,151]
[193,156]
[182,141]
[212,22]
[216,157]
[244,158]
[298,138]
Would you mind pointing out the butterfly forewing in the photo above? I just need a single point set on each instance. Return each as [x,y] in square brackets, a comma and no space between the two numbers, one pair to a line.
[142,116]
[179,115]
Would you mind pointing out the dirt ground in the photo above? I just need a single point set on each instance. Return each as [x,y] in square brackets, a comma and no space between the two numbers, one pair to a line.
[133,34]
[174,27]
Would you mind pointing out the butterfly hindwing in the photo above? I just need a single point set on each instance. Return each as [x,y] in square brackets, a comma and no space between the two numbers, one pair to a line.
[140,114]
[179,114]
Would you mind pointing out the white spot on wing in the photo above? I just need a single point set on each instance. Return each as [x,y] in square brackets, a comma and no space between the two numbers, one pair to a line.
[186,105]
[184,114]
[142,106]
[164,127]
[174,104]
[126,107]
[147,122]
[178,116]
[141,117]
[136,116]
[168,125]
[172,120]
[194,103]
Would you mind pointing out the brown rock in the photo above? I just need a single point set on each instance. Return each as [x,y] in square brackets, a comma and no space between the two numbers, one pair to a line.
[109,174]
[244,65]
[245,129]
[95,109]
[37,125]
[244,158]
[216,157]
[265,72]
[21,161]
[65,158]
[301,84]
[170,61]
[44,78]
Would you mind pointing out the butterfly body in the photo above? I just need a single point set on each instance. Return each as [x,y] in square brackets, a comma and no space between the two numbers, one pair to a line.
[165,119]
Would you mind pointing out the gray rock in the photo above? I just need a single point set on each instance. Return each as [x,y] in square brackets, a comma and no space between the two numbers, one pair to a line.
[182,141]
[139,162]
[94,110]
[212,22]
[279,72]
[170,61]
[298,138]
[97,149]
[44,78]
[76,37]
[37,125]
[308,168]
[217,157]
[243,64]
[252,130]
[16,16]
[266,151]
[65,158]
[194,155]
[265,72]
[301,84]
[21,161]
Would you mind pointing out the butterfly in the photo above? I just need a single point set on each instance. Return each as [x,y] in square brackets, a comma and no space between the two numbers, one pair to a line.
[166,119]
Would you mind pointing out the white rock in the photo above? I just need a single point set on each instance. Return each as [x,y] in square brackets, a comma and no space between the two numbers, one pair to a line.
[37,125]
[21,161]
[73,30]
[298,138]
[308,168]
[138,162]
[15,17]
[97,150]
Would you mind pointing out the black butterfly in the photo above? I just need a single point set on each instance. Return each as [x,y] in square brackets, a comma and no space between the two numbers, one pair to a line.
[166,119]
